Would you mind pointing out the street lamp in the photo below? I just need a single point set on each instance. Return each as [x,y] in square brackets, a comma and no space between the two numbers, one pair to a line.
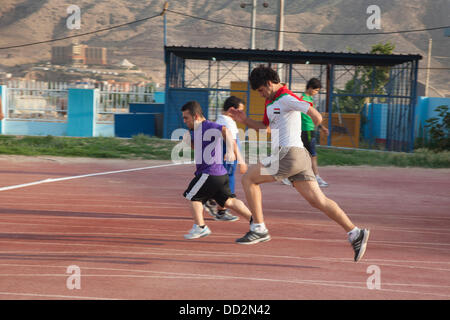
[253,5]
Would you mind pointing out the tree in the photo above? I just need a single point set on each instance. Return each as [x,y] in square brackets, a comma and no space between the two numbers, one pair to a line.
[366,80]
[439,129]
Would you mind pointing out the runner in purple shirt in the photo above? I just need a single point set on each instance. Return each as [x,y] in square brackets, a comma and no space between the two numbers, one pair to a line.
[211,180]
[214,167]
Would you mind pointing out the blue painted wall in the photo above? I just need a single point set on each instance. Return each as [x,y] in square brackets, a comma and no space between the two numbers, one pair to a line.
[176,98]
[146,108]
[81,112]
[376,126]
[376,115]
[130,124]
[159,96]
[104,130]
[35,128]
[425,109]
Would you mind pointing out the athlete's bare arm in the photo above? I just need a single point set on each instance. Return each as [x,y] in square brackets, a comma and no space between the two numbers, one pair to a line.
[315,116]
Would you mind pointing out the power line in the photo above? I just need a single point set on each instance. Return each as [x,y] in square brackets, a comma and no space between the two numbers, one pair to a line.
[304,32]
[217,22]
[82,34]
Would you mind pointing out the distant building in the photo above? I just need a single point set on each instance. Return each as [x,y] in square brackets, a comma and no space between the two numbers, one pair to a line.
[79,54]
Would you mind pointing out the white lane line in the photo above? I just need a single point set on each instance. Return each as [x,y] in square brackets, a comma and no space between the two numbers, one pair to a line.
[176,233]
[224,277]
[49,180]
[180,252]
[56,296]
[238,255]
[216,277]
[33,242]
[330,225]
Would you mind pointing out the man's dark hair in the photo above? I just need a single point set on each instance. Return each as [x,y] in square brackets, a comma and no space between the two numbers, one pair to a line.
[261,75]
[193,107]
[314,83]
[232,102]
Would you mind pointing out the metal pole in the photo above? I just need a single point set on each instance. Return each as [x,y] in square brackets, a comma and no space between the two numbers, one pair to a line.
[430,42]
[329,109]
[280,28]
[165,30]
[252,37]
[280,25]
[166,6]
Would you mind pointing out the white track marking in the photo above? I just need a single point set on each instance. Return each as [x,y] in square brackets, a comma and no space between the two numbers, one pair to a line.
[86,176]
[203,277]
[56,296]
[213,277]
[207,253]
[330,225]
[177,233]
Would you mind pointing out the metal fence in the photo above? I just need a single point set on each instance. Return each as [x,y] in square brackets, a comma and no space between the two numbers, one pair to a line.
[367,100]
[48,101]
[113,100]
[37,101]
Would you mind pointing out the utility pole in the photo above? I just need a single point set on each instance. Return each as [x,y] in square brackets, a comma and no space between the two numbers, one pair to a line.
[280,35]
[280,25]
[253,21]
[427,81]
[163,13]
[252,37]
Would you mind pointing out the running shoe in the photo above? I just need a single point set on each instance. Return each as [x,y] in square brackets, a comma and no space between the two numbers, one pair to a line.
[322,183]
[225,215]
[287,182]
[360,244]
[211,207]
[197,232]
[253,237]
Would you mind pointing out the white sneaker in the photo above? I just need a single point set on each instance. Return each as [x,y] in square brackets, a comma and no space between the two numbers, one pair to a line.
[286,182]
[322,183]
[197,232]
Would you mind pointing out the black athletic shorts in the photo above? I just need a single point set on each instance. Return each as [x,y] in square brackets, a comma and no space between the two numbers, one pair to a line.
[204,187]
[309,142]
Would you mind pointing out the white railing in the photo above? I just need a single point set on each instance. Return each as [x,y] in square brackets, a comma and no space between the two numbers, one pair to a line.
[36,100]
[48,101]
[113,101]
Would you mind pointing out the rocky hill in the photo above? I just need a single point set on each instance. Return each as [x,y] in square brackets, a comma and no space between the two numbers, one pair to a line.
[25,21]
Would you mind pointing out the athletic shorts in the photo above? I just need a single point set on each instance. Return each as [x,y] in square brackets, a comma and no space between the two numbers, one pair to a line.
[204,187]
[292,162]
[309,141]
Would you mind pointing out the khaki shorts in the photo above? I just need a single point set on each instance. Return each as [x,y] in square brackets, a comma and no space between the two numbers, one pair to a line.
[291,162]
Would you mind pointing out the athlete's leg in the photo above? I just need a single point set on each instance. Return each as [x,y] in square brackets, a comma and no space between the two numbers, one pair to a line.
[197,213]
[250,182]
[239,207]
[311,191]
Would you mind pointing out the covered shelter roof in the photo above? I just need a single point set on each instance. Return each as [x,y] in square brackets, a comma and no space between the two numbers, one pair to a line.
[295,57]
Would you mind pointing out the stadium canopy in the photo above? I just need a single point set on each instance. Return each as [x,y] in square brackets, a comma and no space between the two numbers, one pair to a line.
[378,90]
[292,57]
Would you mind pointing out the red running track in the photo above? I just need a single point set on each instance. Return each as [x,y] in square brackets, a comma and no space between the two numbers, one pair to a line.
[125,233]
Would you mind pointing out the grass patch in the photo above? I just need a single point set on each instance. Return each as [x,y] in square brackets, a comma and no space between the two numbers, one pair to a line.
[150,148]
[139,147]
[419,158]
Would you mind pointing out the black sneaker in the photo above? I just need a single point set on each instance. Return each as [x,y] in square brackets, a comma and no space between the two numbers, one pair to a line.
[360,244]
[253,237]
